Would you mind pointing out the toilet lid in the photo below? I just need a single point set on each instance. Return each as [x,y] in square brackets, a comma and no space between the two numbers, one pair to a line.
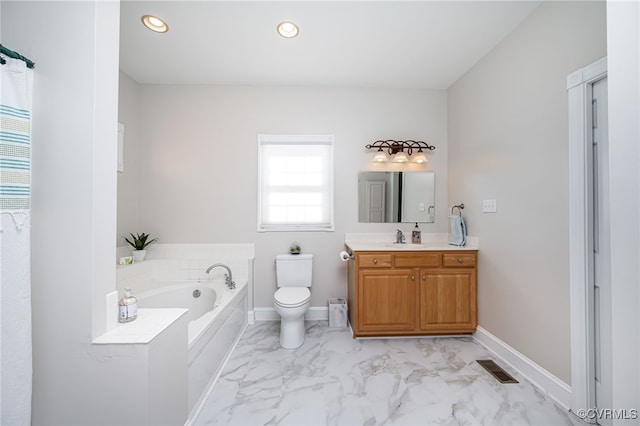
[292,296]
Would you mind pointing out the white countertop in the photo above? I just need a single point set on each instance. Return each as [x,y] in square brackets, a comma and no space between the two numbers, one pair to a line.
[385,242]
[148,324]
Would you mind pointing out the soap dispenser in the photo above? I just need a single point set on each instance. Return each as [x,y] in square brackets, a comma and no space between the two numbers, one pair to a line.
[416,235]
[128,307]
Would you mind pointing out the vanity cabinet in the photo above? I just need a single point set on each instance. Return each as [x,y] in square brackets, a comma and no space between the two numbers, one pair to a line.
[412,293]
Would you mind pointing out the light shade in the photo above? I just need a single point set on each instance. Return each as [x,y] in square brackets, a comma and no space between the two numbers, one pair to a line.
[155,24]
[400,157]
[380,157]
[420,158]
[288,29]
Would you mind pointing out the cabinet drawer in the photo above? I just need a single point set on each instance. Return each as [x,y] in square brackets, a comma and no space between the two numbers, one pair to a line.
[375,260]
[459,260]
[417,260]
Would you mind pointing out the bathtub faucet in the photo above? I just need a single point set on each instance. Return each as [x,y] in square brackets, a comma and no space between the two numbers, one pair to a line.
[227,277]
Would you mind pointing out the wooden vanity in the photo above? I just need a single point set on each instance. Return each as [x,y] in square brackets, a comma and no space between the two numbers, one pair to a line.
[412,292]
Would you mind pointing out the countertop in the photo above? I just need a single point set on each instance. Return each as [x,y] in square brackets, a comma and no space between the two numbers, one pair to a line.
[385,242]
[148,324]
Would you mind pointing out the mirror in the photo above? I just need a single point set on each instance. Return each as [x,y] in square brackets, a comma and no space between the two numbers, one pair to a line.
[394,197]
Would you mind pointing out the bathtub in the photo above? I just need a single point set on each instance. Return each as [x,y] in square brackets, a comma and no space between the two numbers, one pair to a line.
[216,318]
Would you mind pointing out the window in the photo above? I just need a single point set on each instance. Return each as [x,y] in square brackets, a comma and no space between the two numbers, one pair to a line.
[295,183]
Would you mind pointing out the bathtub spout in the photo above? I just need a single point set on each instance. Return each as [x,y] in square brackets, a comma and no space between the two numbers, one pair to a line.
[228,279]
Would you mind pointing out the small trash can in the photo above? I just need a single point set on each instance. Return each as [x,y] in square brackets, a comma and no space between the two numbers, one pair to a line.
[337,313]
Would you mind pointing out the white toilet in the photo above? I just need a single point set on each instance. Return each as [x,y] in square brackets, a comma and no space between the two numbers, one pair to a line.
[292,299]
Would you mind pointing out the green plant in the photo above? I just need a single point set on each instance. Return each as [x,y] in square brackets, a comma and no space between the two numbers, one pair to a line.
[139,241]
[294,248]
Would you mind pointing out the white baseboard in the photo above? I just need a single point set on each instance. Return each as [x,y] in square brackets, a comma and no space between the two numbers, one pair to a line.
[317,313]
[557,390]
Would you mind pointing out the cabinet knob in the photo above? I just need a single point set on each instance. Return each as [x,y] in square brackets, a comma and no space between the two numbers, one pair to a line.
[424,277]
[375,261]
[460,260]
[413,277]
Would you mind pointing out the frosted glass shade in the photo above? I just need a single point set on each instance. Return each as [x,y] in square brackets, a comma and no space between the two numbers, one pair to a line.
[400,157]
[420,158]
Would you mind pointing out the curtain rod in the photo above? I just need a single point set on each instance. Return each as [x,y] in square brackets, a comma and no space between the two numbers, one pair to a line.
[15,55]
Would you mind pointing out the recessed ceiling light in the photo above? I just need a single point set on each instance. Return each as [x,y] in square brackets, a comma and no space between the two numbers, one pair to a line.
[288,29]
[155,24]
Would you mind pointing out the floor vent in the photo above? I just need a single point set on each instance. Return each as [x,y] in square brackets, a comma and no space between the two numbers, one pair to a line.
[496,371]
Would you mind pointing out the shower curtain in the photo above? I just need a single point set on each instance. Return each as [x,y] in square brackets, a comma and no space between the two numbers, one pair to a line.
[15,277]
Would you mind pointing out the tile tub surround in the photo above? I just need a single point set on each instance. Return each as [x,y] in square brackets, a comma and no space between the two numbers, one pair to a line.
[183,262]
[334,379]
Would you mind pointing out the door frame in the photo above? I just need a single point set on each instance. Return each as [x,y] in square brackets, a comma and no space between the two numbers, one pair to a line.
[579,85]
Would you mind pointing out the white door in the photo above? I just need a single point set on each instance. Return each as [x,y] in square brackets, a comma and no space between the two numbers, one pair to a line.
[601,248]
[375,201]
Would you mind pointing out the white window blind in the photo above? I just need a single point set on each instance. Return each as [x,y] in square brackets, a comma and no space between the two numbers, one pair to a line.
[295,183]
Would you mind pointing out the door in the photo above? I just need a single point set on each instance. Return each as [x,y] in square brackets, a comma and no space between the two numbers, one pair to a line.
[447,300]
[386,300]
[375,201]
[601,247]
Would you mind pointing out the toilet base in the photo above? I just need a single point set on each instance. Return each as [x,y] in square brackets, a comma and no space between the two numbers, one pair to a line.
[292,332]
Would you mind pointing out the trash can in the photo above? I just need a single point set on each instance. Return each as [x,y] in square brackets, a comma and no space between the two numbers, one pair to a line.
[337,313]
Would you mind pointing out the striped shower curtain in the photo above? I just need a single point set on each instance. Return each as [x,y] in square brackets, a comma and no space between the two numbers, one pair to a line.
[15,276]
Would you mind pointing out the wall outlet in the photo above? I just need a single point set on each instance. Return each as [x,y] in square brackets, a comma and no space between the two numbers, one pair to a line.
[489,206]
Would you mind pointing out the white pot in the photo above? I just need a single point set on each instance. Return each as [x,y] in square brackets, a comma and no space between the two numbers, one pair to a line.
[139,255]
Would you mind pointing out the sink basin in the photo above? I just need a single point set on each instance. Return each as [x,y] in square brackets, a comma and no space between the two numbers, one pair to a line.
[431,245]
[406,246]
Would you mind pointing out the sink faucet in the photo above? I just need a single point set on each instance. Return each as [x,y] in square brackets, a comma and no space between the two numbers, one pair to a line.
[227,277]
[399,237]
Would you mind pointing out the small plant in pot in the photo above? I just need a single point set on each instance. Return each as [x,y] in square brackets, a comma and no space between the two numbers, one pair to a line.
[294,248]
[139,242]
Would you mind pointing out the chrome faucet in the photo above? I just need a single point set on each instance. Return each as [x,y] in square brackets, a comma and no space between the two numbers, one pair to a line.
[399,237]
[228,280]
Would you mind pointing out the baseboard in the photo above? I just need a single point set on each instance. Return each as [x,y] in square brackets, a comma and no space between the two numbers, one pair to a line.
[555,388]
[314,313]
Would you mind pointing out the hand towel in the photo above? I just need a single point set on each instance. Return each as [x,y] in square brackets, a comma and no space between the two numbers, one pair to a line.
[458,231]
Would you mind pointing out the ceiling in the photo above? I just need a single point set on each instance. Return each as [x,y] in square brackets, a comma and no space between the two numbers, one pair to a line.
[384,44]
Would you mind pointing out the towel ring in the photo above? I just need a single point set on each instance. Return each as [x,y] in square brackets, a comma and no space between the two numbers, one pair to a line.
[459,207]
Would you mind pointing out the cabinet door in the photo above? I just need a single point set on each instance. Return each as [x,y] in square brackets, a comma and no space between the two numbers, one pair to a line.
[386,300]
[448,300]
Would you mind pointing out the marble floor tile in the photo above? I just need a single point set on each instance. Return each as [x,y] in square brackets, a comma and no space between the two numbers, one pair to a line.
[333,379]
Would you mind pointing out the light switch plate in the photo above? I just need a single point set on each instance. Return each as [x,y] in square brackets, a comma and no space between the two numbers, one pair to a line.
[489,206]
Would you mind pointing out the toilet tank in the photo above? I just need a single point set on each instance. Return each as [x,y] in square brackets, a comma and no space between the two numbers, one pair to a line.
[294,270]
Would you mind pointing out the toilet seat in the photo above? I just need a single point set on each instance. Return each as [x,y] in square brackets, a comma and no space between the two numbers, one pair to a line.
[291,297]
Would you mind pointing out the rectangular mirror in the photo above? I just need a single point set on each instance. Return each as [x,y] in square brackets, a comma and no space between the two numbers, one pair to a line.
[394,197]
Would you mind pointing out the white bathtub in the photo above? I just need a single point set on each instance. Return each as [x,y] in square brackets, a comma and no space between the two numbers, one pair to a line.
[213,298]
[216,319]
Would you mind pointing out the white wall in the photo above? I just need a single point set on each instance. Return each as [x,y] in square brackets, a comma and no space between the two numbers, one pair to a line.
[129,115]
[508,133]
[623,60]
[75,48]
[198,165]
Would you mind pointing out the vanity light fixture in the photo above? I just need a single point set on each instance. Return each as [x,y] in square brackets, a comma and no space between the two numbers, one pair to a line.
[400,151]
[155,24]
[288,29]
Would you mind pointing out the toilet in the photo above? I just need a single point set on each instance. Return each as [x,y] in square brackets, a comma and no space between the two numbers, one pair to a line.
[292,299]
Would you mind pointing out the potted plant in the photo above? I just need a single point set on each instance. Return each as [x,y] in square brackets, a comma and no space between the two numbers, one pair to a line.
[295,248]
[139,242]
